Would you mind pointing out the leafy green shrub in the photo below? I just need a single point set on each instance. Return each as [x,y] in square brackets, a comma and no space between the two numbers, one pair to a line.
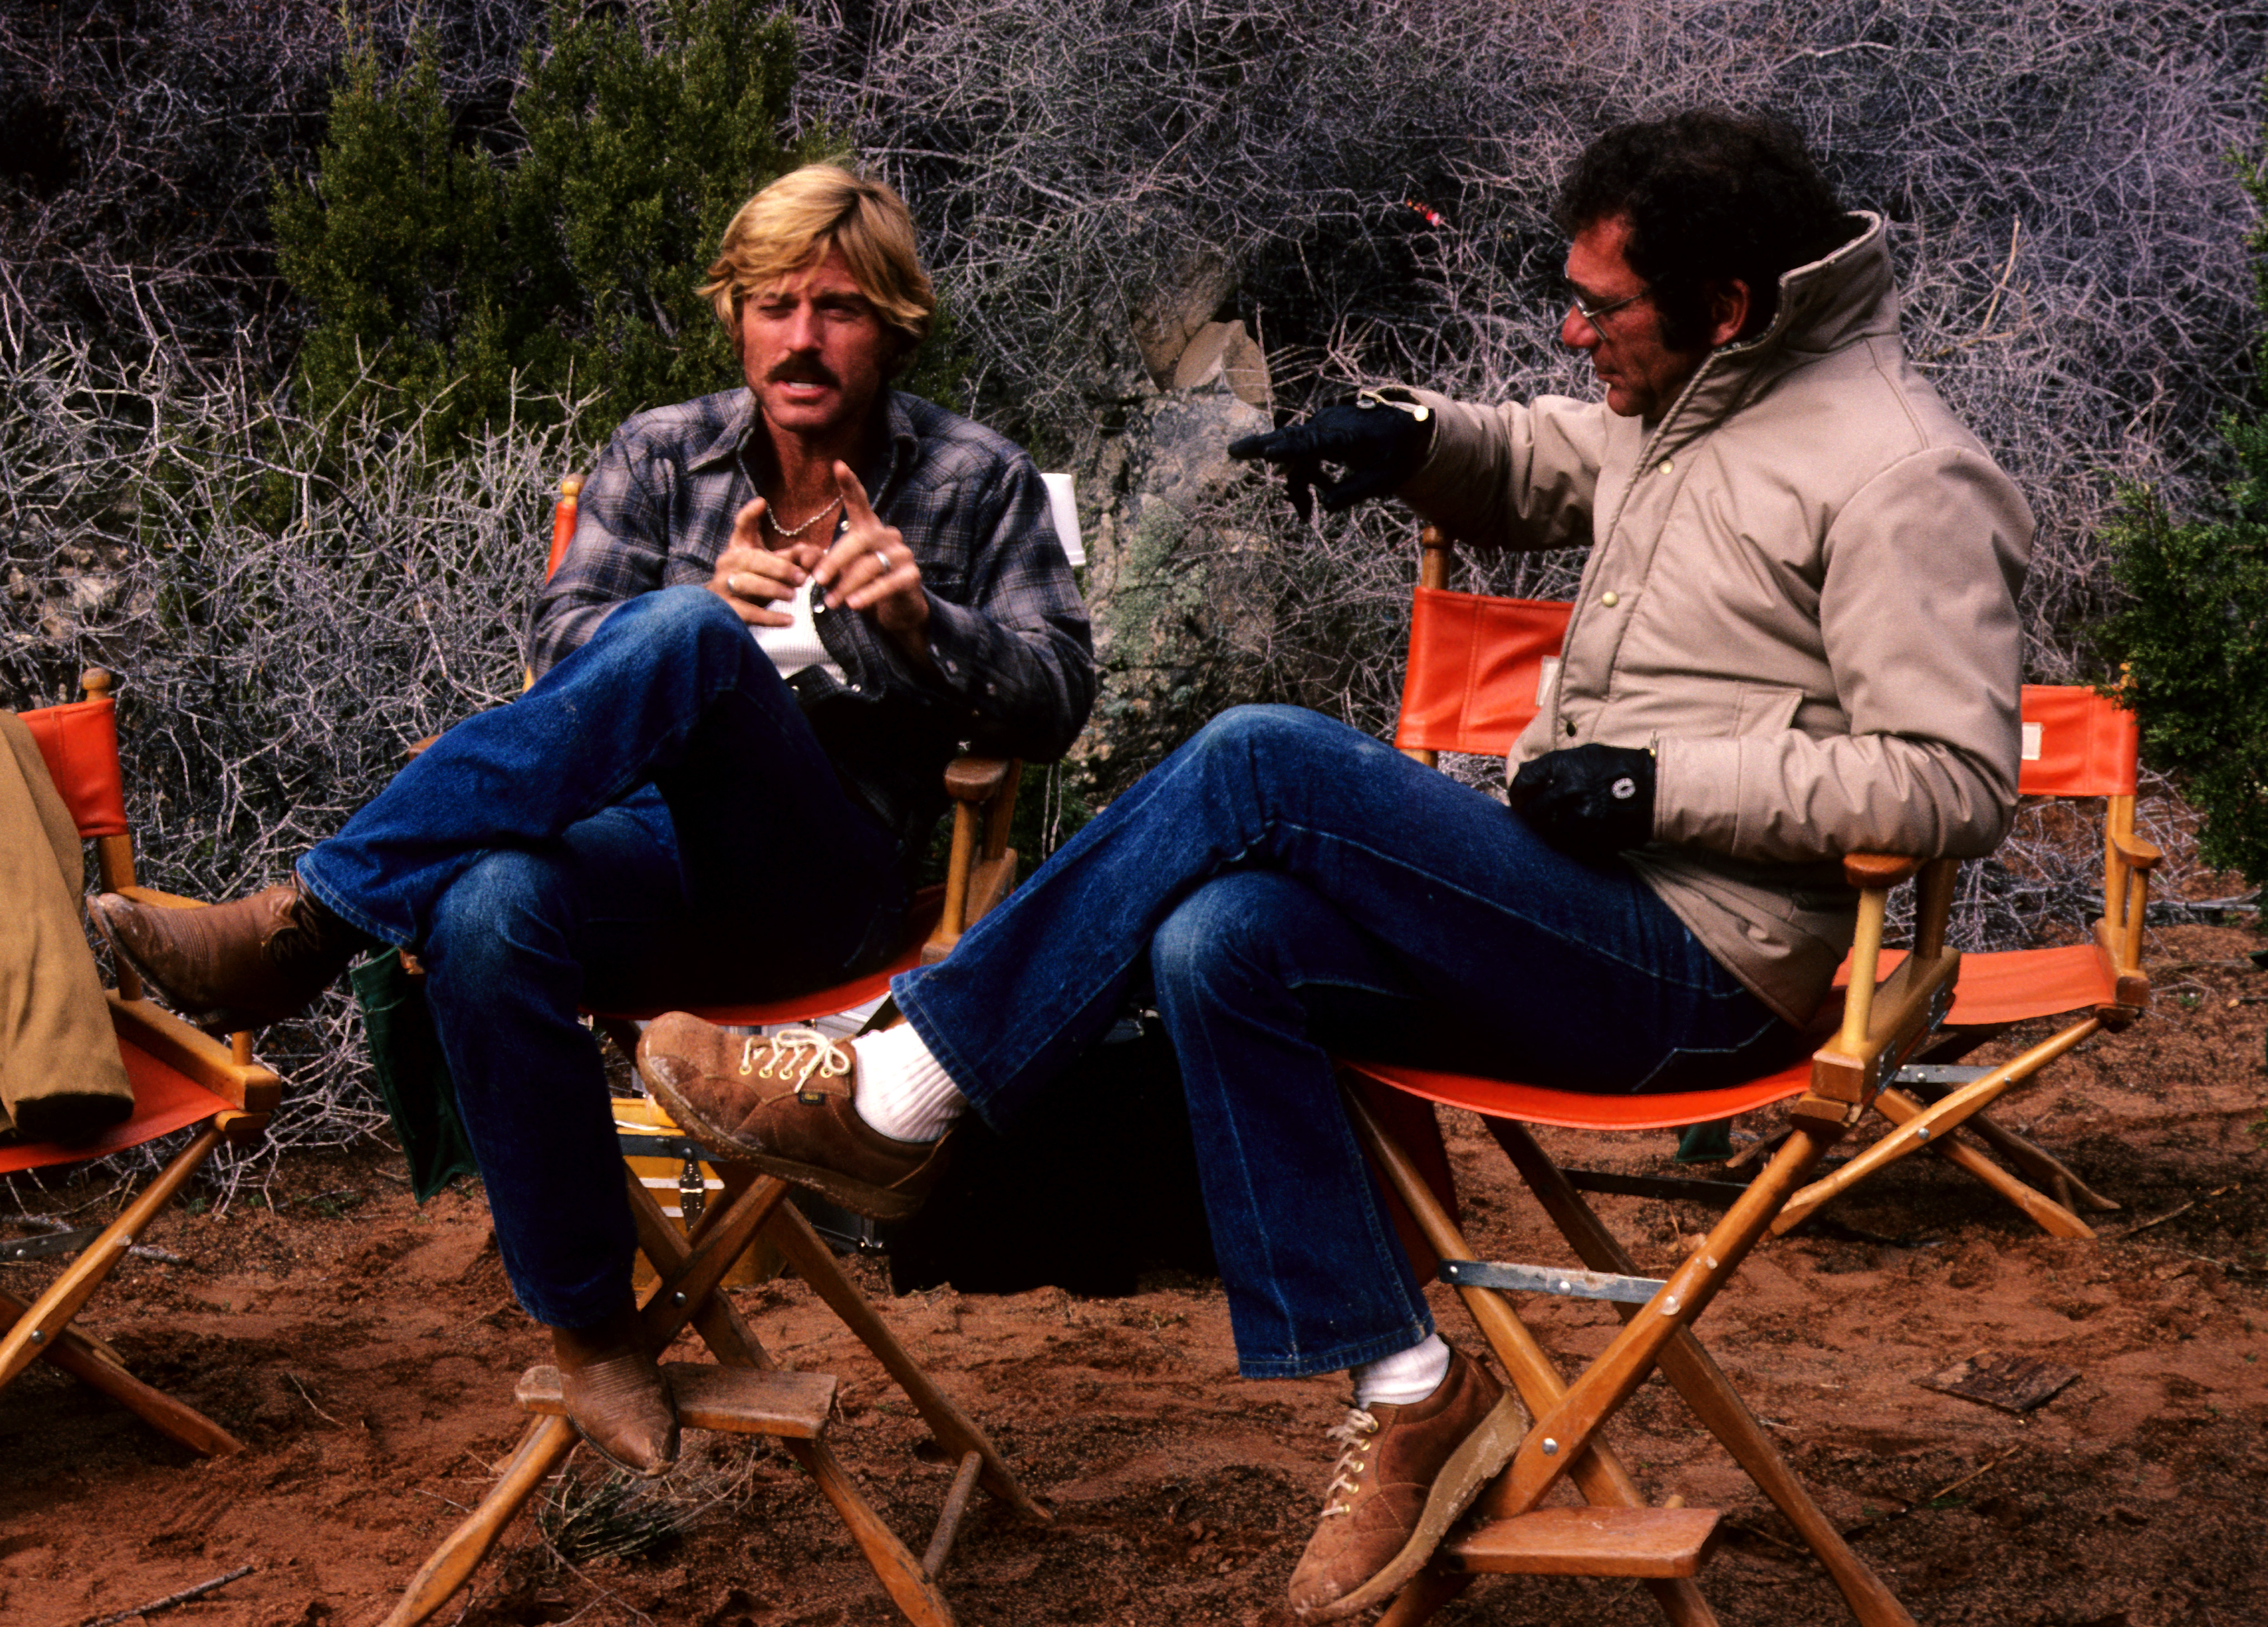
[2194,636]
[449,282]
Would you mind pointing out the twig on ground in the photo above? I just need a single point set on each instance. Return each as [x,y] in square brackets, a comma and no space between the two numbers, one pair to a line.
[297,1385]
[1950,1487]
[2175,1214]
[170,1599]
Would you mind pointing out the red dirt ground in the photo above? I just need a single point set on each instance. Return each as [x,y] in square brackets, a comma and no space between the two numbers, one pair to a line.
[366,1350]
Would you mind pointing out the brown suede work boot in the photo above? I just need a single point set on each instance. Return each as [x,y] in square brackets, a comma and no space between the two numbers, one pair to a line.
[1406,1474]
[258,960]
[786,1104]
[617,1396]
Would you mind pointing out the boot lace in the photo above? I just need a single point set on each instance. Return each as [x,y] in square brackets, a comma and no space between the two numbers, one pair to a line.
[1356,1432]
[794,1054]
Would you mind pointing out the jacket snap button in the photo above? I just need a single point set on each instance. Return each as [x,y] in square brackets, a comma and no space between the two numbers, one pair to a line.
[1610,598]
[1665,466]
[1570,724]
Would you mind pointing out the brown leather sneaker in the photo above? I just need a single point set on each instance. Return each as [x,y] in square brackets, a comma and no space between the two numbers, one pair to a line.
[239,965]
[1406,1474]
[617,1396]
[786,1104]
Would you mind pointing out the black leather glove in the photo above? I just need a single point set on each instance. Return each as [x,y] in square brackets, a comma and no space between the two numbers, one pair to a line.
[1591,802]
[1377,443]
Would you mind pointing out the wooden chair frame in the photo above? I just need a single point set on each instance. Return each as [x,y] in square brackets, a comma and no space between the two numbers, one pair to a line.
[2079,744]
[183,1079]
[691,1270]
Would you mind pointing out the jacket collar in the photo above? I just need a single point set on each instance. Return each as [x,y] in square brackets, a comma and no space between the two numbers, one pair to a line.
[1835,301]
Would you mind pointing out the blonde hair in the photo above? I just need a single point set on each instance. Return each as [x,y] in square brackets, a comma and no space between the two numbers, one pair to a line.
[790,226]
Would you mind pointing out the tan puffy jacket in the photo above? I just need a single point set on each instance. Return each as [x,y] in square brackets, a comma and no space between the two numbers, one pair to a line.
[1800,592]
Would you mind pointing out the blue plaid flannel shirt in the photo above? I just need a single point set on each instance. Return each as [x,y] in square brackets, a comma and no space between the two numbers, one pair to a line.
[1015,663]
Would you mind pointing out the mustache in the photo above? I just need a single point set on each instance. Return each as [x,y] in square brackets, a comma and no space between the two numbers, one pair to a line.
[802,370]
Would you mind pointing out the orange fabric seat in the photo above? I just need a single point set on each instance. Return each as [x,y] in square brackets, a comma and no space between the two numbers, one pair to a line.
[1567,1109]
[165,1100]
[841,997]
[2002,987]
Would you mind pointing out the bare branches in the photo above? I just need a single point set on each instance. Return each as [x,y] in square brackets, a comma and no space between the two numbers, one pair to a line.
[285,624]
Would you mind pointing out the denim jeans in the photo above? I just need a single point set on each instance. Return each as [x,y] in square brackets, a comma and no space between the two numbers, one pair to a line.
[653,821]
[1291,889]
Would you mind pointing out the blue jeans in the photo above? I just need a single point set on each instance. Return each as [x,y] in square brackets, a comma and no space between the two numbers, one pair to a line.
[653,821]
[1291,888]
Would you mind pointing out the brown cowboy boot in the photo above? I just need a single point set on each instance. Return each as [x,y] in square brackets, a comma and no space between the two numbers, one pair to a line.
[615,1395]
[239,965]
[1407,1472]
[786,1104]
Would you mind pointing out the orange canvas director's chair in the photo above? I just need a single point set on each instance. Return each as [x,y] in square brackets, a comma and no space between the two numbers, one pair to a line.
[2077,743]
[744,1391]
[182,1079]
[1475,668]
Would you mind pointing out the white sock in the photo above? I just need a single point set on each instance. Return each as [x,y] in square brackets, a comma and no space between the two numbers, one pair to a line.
[1405,1376]
[902,1090]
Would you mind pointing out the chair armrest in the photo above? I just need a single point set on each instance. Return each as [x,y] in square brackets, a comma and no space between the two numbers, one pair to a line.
[982,866]
[163,901]
[977,779]
[194,1054]
[1881,1025]
[1882,870]
[2137,853]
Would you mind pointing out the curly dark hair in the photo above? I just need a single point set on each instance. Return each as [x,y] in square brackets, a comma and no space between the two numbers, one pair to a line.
[1711,195]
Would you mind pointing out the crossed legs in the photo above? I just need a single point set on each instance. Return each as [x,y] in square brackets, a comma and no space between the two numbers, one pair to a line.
[1290,890]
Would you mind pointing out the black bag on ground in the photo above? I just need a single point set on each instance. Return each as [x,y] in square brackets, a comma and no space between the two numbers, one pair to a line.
[1096,1184]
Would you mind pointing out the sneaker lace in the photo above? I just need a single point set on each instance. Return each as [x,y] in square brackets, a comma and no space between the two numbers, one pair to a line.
[1355,1432]
[795,1055]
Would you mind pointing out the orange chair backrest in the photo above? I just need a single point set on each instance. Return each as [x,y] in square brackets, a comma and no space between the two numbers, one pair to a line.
[562,523]
[1479,669]
[80,744]
[2077,743]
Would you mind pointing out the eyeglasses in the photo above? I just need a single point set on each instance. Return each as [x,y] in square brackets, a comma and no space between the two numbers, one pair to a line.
[1591,313]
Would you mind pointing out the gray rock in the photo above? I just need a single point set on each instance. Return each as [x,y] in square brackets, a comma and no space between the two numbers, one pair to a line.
[1160,498]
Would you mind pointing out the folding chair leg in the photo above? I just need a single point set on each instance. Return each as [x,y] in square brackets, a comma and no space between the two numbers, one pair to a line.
[2044,1211]
[1432,1589]
[90,1366]
[2043,1168]
[542,1449]
[791,1235]
[729,1338]
[1694,1373]
[1941,1115]
[1599,1475]
[52,1311]
[1610,1379]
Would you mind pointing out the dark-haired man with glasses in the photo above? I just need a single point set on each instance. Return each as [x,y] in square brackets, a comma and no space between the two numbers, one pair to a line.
[1796,635]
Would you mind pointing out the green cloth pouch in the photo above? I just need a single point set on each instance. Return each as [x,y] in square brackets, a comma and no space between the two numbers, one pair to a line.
[413,1076]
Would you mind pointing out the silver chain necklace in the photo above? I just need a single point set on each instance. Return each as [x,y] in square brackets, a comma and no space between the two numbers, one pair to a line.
[784,533]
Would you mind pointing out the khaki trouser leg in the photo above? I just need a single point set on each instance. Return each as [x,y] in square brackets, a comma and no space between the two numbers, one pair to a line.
[59,1064]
